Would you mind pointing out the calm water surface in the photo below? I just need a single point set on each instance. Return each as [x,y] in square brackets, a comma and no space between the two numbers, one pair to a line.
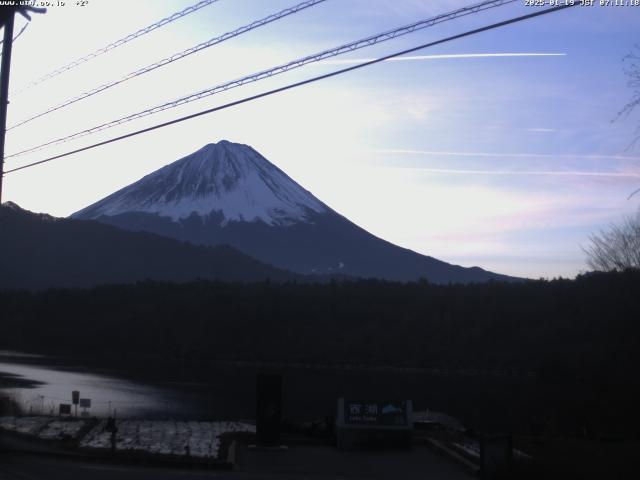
[40,388]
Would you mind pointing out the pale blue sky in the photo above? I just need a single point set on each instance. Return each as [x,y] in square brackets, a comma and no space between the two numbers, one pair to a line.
[503,162]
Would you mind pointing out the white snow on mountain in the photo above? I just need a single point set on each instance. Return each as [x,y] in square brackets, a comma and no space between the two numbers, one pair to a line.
[228,178]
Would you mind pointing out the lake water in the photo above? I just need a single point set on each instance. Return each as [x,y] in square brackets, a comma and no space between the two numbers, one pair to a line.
[217,391]
[40,389]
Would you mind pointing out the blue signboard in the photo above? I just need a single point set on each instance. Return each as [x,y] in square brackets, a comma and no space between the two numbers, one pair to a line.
[388,413]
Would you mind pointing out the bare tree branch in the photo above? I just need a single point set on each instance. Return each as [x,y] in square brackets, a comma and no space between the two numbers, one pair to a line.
[632,71]
[617,248]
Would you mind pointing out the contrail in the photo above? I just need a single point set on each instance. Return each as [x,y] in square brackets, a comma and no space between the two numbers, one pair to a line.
[568,173]
[439,57]
[503,155]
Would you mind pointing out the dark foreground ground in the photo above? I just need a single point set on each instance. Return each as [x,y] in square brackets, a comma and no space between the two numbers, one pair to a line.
[566,459]
[312,462]
[314,456]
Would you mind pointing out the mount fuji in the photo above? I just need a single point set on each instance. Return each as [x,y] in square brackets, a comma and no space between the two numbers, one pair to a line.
[227,193]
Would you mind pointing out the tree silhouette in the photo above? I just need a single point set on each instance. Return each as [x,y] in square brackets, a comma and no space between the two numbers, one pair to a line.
[617,248]
[632,71]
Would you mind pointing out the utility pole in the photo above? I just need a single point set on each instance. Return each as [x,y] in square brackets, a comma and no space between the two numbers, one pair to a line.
[4,88]
[7,17]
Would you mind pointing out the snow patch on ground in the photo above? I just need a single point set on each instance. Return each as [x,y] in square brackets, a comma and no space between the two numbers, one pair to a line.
[195,439]
[24,425]
[45,428]
[59,430]
[471,448]
[441,418]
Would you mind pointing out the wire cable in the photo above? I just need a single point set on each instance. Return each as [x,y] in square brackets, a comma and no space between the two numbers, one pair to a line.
[176,56]
[301,83]
[24,27]
[117,43]
[365,42]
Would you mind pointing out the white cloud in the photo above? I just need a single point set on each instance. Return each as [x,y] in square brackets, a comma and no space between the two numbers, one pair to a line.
[506,155]
[541,130]
[561,173]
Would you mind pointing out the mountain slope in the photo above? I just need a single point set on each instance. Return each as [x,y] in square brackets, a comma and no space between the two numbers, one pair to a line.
[228,193]
[39,251]
[233,179]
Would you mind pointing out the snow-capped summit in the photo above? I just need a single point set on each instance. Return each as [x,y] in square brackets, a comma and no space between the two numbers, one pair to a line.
[225,178]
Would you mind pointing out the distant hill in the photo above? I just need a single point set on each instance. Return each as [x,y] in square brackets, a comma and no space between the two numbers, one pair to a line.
[38,251]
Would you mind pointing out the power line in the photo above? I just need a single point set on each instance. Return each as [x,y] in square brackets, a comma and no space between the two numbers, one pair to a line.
[299,84]
[365,42]
[24,27]
[118,43]
[176,56]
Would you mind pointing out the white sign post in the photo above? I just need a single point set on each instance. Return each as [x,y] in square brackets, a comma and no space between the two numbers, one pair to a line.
[85,403]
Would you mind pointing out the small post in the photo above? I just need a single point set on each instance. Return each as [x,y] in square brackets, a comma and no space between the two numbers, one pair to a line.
[112,428]
[113,439]
[4,88]
[75,399]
